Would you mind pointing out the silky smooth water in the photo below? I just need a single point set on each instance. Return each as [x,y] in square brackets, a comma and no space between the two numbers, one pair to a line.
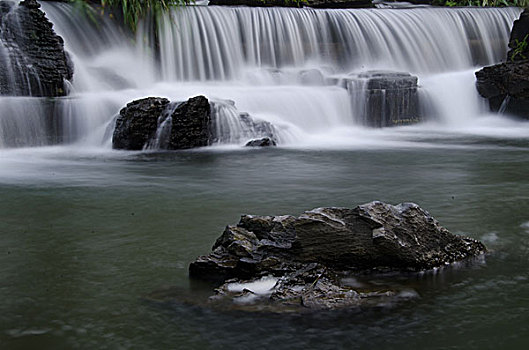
[86,235]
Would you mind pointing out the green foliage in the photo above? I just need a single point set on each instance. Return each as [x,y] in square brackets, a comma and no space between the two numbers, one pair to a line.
[135,10]
[520,48]
[483,3]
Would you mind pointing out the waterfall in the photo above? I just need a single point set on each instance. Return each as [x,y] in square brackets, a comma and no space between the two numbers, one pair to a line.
[294,69]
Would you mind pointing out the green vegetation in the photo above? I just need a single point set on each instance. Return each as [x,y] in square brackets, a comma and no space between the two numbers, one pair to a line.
[132,10]
[483,3]
[520,48]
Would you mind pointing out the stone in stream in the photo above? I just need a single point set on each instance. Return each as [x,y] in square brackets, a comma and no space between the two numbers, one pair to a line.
[306,258]
[506,85]
[32,57]
[156,123]
[264,142]
[384,98]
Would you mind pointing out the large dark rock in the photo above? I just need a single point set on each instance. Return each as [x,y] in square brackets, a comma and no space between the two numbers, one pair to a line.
[506,85]
[294,3]
[155,123]
[309,254]
[385,98]
[32,57]
[137,123]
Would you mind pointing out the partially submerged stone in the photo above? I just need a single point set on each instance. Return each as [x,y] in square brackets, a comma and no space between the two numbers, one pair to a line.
[385,98]
[155,123]
[310,255]
[506,85]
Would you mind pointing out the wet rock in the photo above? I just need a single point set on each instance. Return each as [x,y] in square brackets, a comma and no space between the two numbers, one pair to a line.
[385,98]
[506,85]
[157,123]
[137,123]
[191,122]
[309,254]
[32,57]
[264,142]
[140,124]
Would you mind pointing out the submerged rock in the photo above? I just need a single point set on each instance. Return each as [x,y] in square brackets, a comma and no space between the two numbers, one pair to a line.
[385,98]
[32,57]
[506,85]
[309,255]
[264,142]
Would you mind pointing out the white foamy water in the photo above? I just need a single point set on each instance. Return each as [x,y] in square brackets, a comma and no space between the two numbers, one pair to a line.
[278,65]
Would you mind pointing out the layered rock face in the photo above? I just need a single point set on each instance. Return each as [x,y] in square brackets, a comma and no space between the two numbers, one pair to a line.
[32,57]
[311,253]
[385,98]
[506,85]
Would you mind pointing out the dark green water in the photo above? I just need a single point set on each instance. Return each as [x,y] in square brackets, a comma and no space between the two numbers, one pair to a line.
[83,237]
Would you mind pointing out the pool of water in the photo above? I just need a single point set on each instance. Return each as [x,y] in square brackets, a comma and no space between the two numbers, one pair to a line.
[86,234]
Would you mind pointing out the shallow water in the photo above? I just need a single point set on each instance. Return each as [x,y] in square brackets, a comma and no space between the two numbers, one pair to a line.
[86,233]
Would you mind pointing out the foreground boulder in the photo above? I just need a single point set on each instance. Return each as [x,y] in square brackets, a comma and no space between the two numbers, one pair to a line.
[156,123]
[506,85]
[307,257]
[384,98]
[32,57]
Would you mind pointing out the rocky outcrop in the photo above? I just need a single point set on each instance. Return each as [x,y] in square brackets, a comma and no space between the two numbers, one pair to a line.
[309,255]
[156,123]
[294,3]
[506,85]
[32,57]
[384,98]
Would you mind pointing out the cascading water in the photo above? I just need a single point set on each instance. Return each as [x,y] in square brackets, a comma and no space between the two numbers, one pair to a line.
[280,65]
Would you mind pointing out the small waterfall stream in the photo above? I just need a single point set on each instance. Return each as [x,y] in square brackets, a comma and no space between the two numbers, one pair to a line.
[283,66]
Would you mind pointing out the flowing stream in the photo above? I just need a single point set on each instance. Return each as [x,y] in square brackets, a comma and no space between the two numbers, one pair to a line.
[86,232]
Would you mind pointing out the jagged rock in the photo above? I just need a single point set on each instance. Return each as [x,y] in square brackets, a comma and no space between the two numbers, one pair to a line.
[309,254]
[506,85]
[293,3]
[32,57]
[156,123]
[191,124]
[264,142]
[387,98]
[139,121]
